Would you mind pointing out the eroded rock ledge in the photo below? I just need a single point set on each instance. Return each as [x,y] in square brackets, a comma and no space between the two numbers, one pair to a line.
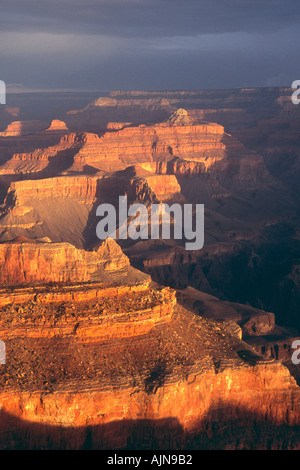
[34,262]
[119,364]
[187,383]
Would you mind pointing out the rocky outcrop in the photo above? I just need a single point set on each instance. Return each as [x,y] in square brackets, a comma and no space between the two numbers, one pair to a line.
[63,208]
[180,117]
[134,309]
[258,327]
[83,188]
[57,125]
[132,145]
[35,262]
[59,156]
[178,145]
[73,369]
[163,186]
[19,128]
[180,166]
[58,208]
[116,126]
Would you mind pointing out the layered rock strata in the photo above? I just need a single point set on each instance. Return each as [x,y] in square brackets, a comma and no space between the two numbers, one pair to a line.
[59,155]
[132,145]
[32,262]
[137,371]
[179,145]
[110,360]
[20,128]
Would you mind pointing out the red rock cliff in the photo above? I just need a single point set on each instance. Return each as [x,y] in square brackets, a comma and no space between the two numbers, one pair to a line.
[29,262]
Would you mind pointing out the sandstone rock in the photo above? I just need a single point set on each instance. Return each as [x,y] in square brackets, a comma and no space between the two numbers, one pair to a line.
[180,118]
[180,166]
[59,155]
[163,186]
[115,126]
[33,262]
[18,128]
[81,187]
[73,369]
[58,208]
[57,125]
[131,145]
[63,208]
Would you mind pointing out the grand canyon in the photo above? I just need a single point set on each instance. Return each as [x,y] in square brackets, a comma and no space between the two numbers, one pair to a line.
[142,344]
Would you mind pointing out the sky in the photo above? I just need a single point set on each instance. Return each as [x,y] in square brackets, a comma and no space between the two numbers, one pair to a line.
[104,45]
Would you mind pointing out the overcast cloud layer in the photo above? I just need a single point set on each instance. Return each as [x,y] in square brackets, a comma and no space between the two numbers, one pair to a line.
[149,44]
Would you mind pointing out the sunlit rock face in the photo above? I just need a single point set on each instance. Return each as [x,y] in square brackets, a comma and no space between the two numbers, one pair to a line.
[31,262]
[76,357]
[147,143]
[19,128]
[122,146]
[57,125]
[85,332]
[81,187]
[180,145]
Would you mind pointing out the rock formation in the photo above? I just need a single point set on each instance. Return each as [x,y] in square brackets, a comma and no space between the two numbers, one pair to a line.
[31,262]
[96,115]
[131,145]
[63,207]
[77,354]
[258,327]
[81,187]
[179,144]
[100,352]
[57,157]
[57,125]
[180,118]
[19,128]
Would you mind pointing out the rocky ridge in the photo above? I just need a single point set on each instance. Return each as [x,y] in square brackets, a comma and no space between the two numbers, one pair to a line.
[76,355]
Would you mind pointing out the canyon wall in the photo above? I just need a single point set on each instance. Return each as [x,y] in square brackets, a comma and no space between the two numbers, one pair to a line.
[33,262]
[179,145]
[134,370]
[150,143]
[83,188]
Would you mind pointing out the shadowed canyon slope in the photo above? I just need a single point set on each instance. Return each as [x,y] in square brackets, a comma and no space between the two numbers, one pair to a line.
[142,343]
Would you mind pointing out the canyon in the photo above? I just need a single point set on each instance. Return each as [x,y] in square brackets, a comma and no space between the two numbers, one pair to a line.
[140,344]
[105,364]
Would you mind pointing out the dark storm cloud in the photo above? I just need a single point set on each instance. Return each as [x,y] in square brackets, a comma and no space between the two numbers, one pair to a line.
[143,18]
[104,44]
